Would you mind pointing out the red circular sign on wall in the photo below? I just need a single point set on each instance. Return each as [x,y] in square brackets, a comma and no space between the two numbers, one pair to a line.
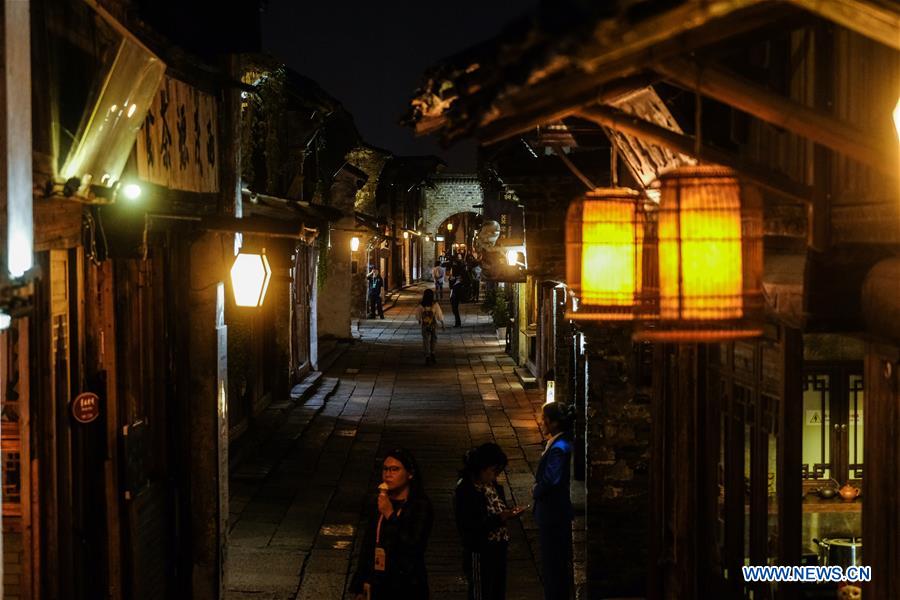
[86,407]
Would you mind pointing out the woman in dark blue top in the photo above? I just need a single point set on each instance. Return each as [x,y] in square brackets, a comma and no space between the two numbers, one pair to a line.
[552,503]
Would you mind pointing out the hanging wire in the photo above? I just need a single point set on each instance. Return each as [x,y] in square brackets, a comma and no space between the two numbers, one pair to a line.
[698,118]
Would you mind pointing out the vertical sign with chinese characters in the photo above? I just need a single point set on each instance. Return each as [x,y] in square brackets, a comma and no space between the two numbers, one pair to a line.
[177,146]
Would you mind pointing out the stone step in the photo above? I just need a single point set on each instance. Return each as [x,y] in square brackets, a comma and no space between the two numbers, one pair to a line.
[254,455]
[527,380]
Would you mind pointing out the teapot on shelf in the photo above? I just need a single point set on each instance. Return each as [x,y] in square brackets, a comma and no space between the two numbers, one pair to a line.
[849,493]
[827,491]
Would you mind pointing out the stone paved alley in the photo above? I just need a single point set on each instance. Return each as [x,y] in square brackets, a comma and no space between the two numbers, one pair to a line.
[295,522]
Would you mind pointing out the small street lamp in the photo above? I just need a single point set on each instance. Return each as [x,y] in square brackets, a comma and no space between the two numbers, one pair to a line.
[354,244]
[449,226]
[250,276]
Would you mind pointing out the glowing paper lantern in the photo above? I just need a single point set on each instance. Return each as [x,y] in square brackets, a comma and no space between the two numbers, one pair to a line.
[709,256]
[604,254]
[250,277]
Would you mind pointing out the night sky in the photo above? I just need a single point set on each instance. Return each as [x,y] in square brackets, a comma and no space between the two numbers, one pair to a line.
[371,55]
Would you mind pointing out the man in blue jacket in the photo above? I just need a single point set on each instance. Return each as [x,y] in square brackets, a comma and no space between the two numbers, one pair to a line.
[553,505]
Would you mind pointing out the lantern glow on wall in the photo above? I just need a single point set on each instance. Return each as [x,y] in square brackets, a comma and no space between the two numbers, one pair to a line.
[250,276]
[604,254]
[709,258]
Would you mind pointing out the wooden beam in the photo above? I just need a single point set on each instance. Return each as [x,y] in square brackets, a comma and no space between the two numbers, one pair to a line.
[808,122]
[762,176]
[502,129]
[879,21]
[623,49]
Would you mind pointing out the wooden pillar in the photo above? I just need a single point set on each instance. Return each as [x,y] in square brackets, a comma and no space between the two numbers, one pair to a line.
[881,484]
[208,419]
[675,459]
[790,457]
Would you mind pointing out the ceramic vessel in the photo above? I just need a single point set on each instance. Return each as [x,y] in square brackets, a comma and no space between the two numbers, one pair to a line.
[848,492]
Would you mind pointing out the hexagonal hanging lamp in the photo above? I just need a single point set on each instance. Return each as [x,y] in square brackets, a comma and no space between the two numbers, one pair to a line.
[250,276]
[710,258]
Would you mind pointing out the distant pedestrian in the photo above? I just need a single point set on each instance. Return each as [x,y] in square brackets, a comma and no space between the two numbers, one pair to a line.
[428,315]
[438,272]
[456,293]
[552,503]
[479,504]
[476,282]
[376,287]
[392,556]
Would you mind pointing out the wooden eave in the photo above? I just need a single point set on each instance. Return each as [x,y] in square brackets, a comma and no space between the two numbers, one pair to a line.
[624,50]
[773,181]
[816,125]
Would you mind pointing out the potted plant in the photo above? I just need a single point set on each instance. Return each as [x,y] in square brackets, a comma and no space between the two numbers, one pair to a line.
[496,305]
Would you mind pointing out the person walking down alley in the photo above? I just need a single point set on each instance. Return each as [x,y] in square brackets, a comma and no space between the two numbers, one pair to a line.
[438,272]
[428,315]
[479,504]
[552,503]
[376,286]
[392,556]
[456,293]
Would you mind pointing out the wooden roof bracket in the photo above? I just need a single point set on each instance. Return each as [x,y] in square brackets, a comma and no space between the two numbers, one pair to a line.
[764,177]
[805,121]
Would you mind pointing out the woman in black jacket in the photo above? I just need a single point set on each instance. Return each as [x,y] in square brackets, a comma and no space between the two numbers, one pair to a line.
[481,515]
[392,557]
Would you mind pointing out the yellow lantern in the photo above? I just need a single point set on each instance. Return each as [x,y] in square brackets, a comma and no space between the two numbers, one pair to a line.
[250,277]
[449,226]
[604,254]
[709,257]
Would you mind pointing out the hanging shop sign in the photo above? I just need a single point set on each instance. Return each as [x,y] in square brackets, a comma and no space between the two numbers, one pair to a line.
[86,407]
[178,145]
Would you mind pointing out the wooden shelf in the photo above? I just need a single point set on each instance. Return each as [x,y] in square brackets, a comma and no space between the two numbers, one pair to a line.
[815,504]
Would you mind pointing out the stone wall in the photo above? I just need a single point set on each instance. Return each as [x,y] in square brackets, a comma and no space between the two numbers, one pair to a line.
[618,457]
[450,195]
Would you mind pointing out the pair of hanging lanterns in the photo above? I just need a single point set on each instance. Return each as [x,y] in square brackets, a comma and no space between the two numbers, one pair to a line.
[689,271]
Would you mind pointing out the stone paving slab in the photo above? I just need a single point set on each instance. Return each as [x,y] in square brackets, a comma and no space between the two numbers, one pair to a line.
[295,531]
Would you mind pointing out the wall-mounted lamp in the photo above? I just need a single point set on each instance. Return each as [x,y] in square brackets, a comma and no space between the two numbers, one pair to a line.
[5,321]
[250,276]
[512,258]
[131,191]
[449,226]
[354,244]
[405,235]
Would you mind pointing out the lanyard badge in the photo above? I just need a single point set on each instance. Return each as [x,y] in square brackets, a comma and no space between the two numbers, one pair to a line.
[380,555]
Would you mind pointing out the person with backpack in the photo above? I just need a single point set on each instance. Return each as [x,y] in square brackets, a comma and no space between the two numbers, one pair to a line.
[428,314]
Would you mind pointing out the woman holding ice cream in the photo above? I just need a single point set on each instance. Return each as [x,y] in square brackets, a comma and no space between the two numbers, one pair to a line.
[392,557]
